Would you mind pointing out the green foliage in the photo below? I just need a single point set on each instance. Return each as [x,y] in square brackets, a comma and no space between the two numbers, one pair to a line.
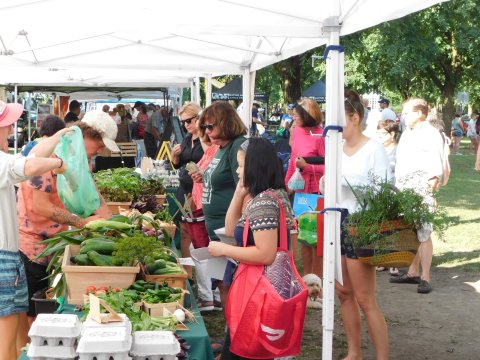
[380,203]
[124,184]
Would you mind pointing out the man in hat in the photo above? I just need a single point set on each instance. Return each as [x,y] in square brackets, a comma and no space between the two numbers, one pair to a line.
[41,213]
[73,112]
[14,169]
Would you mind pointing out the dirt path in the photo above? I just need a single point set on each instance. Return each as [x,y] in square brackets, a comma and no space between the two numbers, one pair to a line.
[444,324]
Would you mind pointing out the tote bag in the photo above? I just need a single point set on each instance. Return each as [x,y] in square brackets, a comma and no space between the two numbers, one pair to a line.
[266,304]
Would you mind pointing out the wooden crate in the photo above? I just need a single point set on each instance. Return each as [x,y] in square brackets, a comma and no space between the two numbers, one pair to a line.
[80,277]
[157,309]
[173,280]
[127,149]
[115,206]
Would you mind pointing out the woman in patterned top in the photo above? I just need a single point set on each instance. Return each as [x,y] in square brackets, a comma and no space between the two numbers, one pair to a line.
[259,177]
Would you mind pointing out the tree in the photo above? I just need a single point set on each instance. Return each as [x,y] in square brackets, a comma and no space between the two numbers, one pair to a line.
[430,54]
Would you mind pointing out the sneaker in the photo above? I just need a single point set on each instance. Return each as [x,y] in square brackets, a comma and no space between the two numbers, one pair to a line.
[205,305]
[424,287]
[405,279]
[217,305]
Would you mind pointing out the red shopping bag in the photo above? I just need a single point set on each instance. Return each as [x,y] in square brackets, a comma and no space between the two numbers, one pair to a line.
[266,305]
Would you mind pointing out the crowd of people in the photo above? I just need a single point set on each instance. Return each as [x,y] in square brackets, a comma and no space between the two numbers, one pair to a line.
[234,181]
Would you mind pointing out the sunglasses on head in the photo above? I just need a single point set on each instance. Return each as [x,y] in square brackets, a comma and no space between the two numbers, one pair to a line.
[207,126]
[189,120]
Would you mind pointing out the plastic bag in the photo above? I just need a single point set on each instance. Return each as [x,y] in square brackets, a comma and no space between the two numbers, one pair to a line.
[296,182]
[307,228]
[75,186]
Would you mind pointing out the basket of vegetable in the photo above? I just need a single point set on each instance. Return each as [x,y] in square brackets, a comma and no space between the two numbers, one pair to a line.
[166,269]
[102,272]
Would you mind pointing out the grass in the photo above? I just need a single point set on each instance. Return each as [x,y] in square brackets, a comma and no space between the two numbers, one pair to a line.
[460,248]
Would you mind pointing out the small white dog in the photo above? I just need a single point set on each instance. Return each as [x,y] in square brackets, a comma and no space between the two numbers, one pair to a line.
[314,285]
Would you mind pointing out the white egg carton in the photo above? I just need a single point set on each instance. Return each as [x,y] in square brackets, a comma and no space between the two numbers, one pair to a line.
[154,345]
[111,356]
[105,340]
[51,352]
[55,330]
[90,323]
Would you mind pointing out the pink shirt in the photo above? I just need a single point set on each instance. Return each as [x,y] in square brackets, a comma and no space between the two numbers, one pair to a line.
[206,159]
[303,144]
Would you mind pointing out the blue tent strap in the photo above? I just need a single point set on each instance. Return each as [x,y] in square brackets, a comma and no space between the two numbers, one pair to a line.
[331,127]
[330,209]
[338,48]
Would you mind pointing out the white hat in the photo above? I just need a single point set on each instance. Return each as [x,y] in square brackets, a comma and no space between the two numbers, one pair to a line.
[105,125]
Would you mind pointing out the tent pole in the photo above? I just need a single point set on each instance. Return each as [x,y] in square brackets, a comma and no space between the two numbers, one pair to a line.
[15,144]
[197,90]
[208,89]
[192,90]
[334,116]
[247,112]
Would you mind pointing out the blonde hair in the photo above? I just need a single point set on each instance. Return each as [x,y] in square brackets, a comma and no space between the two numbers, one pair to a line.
[190,108]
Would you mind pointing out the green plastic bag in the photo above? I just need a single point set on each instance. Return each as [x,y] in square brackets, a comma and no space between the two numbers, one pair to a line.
[75,186]
[307,228]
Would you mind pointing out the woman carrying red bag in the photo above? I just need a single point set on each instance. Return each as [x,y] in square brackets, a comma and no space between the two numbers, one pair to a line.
[261,230]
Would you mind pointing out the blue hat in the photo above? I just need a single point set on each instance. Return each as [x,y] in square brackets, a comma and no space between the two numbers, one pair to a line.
[291,106]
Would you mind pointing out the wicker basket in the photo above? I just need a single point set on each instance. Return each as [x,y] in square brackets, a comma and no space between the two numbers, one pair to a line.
[399,248]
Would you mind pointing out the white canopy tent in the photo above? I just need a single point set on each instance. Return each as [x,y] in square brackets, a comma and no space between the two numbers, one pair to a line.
[156,40]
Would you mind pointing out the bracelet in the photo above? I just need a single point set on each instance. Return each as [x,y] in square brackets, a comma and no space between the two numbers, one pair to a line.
[61,163]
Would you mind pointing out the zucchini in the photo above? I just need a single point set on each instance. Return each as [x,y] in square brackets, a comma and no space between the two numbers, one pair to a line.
[151,268]
[100,245]
[99,259]
[160,264]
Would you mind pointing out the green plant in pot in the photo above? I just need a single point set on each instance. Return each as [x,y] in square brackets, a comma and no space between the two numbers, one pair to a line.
[384,230]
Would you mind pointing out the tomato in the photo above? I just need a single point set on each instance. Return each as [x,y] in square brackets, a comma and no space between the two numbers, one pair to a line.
[90,289]
[114,289]
[103,288]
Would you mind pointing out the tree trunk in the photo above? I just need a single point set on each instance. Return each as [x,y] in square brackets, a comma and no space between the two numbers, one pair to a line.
[448,106]
[290,70]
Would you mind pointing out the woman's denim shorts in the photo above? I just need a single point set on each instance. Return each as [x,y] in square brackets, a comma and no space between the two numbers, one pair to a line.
[13,284]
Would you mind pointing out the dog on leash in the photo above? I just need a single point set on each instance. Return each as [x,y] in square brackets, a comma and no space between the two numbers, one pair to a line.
[314,285]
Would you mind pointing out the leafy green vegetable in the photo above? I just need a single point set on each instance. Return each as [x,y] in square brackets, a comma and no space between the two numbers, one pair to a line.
[137,248]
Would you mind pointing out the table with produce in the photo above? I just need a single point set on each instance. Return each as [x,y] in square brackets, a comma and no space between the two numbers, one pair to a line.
[130,265]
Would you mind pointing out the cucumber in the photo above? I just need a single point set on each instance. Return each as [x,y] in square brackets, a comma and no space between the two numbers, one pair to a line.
[81,259]
[100,245]
[160,264]
[99,259]
[167,270]
[151,268]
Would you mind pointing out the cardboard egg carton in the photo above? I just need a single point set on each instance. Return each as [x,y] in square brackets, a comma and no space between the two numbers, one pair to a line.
[51,352]
[55,330]
[154,345]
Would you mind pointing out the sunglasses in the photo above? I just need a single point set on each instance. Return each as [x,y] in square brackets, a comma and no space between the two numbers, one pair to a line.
[207,126]
[189,120]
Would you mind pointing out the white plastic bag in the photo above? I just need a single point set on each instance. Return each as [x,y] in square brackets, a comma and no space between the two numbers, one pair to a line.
[296,182]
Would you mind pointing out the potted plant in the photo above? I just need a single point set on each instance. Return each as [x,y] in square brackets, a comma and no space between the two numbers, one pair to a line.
[383,232]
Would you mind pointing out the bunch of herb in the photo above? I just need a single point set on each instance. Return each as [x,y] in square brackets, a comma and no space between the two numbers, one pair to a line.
[380,203]
[122,184]
[136,249]
[164,214]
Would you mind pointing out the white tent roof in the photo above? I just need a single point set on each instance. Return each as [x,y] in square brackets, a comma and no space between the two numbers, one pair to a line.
[119,42]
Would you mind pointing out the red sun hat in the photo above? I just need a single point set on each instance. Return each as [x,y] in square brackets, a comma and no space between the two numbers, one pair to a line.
[9,113]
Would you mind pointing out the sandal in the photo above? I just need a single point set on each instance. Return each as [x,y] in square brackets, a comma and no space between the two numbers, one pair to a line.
[380,268]
[205,305]
[393,271]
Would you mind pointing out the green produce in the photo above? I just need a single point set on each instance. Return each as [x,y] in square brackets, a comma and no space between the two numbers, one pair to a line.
[81,259]
[168,270]
[99,259]
[136,249]
[100,245]
[109,224]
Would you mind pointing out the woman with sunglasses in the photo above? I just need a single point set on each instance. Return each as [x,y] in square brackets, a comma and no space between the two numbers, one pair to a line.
[189,150]
[222,124]
[307,118]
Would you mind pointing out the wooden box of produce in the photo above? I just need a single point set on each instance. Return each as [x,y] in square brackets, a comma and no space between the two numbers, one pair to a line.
[157,309]
[115,207]
[165,270]
[80,277]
